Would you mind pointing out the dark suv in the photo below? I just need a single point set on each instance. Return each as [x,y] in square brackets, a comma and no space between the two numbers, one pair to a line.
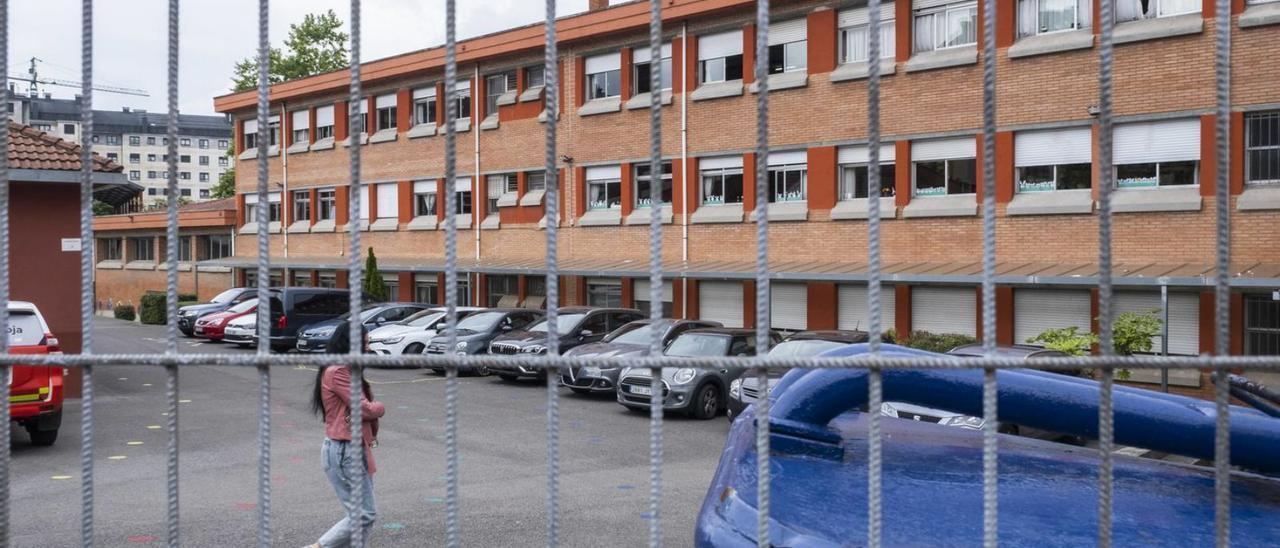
[479,328]
[629,341]
[317,336]
[188,315]
[577,325]
[296,307]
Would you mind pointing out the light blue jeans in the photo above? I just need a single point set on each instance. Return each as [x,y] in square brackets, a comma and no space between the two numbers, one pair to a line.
[338,460]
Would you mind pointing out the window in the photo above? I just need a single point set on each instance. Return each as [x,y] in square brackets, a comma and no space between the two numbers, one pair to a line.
[204,193]
[501,286]
[273,130]
[1056,159]
[43,127]
[204,177]
[222,161]
[151,174]
[1157,154]
[462,188]
[533,77]
[604,187]
[135,158]
[250,136]
[185,176]
[135,175]
[185,158]
[1046,16]
[787,182]
[251,208]
[109,249]
[493,192]
[642,67]
[944,167]
[1131,10]
[495,85]
[388,196]
[142,249]
[386,114]
[94,138]
[324,122]
[643,182]
[1262,148]
[721,180]
[185,192]
[300,122]
[720,57]
[186,142]
[113,156]
[535,180]
[788,47]
[69,129]
[854,172]
[204,160]
[462,99]
[424,200]
[151,141]
[855,34]
[152,158]
[153,191]
[222,143]
[511,184]
[947,26]
[604,76]
[326,204]
[604,293]
[135,140]
[204,143]
[1261,325]
[425,291]
[424,106]
[301,205]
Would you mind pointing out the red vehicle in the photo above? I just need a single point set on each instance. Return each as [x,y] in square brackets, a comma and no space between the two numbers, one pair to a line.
[214,326]
[35,392]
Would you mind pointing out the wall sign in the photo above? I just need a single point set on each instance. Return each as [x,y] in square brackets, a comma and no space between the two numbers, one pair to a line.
[71,244]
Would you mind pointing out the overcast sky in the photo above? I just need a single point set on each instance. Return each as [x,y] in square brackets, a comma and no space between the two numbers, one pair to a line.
[131,37]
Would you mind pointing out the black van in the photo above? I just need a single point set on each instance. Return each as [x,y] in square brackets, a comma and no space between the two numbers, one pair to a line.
[295,307]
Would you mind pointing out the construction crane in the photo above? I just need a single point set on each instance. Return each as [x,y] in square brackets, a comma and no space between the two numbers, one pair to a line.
[34,80]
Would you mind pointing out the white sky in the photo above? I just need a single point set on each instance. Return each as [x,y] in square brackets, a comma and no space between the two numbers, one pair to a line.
[131,37]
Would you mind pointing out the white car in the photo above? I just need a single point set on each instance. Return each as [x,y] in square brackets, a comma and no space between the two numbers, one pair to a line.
[242,331]
[411,335]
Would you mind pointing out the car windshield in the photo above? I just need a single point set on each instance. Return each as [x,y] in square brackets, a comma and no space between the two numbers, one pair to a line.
[692,345]
[244,306]
[482,321]
[423,319]
[368,312]
[565,324]
[803,348]
[632,333]
[24,328]
[225,296]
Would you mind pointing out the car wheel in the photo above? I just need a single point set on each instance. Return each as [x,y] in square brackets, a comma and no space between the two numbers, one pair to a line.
[415,348]
[43,438]
[508,378]
[707,403]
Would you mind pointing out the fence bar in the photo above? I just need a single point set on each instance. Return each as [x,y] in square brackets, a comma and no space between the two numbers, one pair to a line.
[550,74]
[4,272]
[762,269]
[263,314]
[451,274]
[875,390]
[1222,272]
[171,302]
[1105,183]
[657,396]
[990,425]
[86,268]
[355,281]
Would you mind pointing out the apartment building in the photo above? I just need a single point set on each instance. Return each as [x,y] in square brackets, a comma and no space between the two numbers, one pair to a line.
[1046,166]
[138,140]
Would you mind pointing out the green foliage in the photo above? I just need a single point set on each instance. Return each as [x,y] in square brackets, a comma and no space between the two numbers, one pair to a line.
[374,286]
[1066,339]
[226,185]
[315,46]
[936,342]
[1132,331]
[152,308]
[103,208]
[124,311]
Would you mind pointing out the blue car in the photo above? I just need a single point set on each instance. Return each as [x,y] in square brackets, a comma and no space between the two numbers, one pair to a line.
[932,474]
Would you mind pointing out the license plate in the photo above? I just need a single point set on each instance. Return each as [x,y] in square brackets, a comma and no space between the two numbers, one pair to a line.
[302,344]
[199,330]
[641,390]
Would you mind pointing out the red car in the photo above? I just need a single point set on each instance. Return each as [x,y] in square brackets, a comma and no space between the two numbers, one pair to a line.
[35,392]
[213,326]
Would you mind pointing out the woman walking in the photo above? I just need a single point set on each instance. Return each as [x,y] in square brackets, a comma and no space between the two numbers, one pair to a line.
[331,400]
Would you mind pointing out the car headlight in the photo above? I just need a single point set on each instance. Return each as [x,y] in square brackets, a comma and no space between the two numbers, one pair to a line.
[684,375]
[533,349]
[888,410]
[391,340]
[963,421]
[187,313]
[461,346]
[735,389]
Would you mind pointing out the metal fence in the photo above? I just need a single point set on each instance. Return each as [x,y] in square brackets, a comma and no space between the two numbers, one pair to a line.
[171,361]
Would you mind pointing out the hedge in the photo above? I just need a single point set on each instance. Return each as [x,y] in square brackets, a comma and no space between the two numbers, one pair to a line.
[936,342]
[124,311]
[153,306]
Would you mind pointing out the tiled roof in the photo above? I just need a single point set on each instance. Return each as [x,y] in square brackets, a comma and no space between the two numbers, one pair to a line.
[30,148]
[211,205]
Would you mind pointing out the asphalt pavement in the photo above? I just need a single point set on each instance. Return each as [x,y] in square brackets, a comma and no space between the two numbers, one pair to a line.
[604,456]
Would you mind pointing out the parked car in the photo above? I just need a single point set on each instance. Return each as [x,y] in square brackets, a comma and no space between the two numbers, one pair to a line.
[242,331]
[411,335]
[745,390]
[188,315]
[818,492]
[629,341]
[478,329]
[35,392]
[315,337]
[701,393]
[577,325]
[211,326]
[295,307]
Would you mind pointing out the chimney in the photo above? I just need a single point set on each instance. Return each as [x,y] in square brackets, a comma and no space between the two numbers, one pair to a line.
[597,5]
[124,109]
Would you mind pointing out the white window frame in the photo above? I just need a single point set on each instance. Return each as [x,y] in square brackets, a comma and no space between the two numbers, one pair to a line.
[1155,10]
[301,133]
[327,203]
[1082,18]
[788,49]
[940,15]
[778,175]
[540,176]
[888,41]
[720,173]
[706,62]
[421,189]
[301,200]
[324,114]
[639,57]
[385,114]
[1273,118]
[641,199]
[605,75]
[612,179]
[424,99]
[529,71]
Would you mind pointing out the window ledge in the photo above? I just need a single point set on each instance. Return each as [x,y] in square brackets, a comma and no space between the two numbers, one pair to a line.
[717,90]
[491,222]
[508,199]
[300,227]
[943,58]
[542,223]
[322,144]
[384,135]
[861,70]
[248,154]
[531,94]
[532,198]
[110,265]
[962,205]
[784,80]
[364,140]
[1156,199]
[249,228]
[324,226]
[642,100]
[1055,202]
[462,124]
[489,122]
[1160,27]
[785,211]
[542,116]
[1051,43]
[422,130]
[508,98]
[601,217]
[273,227]
[642,215]
[385,225]
[461,220]
[298,148]
[1259,197]
[860,208]
[183,266]
[600,106]
[424,222]
[1260,14]
[211,268]
[273,150]
[140,265]
[726,213]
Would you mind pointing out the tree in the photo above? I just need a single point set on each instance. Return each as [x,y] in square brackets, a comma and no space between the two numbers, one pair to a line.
[226,185]
[1131,333]
[1066,339]
[315,46]
[103,208]
[374,286]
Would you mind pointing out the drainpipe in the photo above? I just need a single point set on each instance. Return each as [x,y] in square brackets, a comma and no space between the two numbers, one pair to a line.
[1164,335]
[684,161]
[286,200]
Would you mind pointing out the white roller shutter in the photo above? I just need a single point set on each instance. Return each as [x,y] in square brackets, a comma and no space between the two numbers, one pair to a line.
[420,187]
[786,32]
[720,162]
[603,63]
[860,154]
[862,16]
[641,291]
[301,119]
[944,149]
[1163,141]
[601,173]
[721,302]
[324,116]
[853,310]
[424,93]
[1037,310]
[641,54]
[364,105]
[1053,147]
[944,310]
[715,46]
[250,126]
[926,4]
[388,204]
[789,306]
[364,205]
[274,197]
[462,184]
[463,85]
[385,101]
[1184,318]
[250,198]
[788,157]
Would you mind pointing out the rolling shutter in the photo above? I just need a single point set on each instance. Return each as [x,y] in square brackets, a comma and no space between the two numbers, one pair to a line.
[944,310]
[786,32]
[1184,318]
[853,308]
[462,184]
[603,63]
[424,93]
[385,101]
[720,162]
[789,306]
[926,4]
[642,54]
[424,187]
[604,173]
[1037,310]
[944,149]
[1053,147]
[721,302]
[862,16]
[250,126]
[364,203]
[324,116]
[640,291]
[715,46]
[300,119]
[859,154]
[388,196]
[1163,141]
[788,157]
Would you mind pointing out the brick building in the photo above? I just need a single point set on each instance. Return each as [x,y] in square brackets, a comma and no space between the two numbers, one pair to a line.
[931,116]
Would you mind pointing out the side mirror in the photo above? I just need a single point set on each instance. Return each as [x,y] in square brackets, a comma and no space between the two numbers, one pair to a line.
[506,327]
[381,321]
[585,333]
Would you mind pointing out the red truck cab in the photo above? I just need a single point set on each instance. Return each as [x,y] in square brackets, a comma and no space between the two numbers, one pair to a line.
[35,392]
